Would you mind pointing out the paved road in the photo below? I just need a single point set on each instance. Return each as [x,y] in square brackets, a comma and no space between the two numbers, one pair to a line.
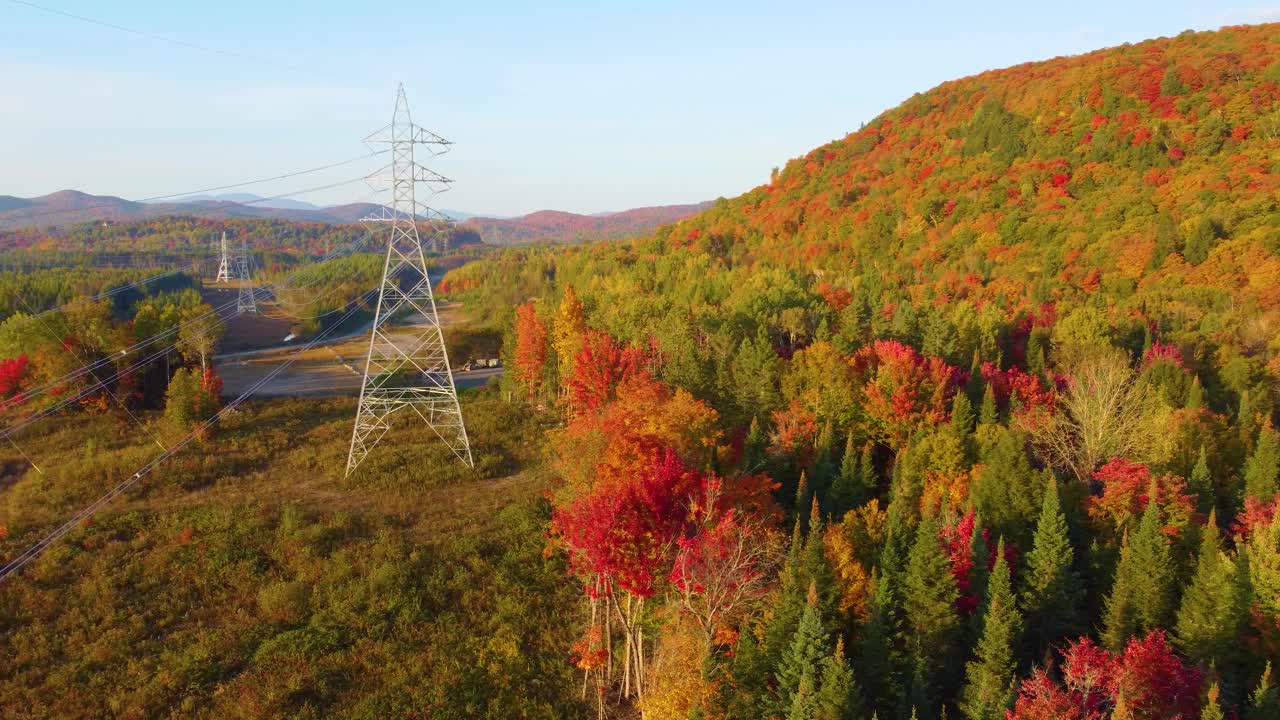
[332,367]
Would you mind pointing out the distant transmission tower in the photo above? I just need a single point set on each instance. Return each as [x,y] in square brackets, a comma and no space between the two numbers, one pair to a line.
[224,267]
[408,367]
[245,303]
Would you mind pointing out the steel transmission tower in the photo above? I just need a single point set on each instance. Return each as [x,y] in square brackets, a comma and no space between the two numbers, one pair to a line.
[224,267]
[407,367]
[245,303]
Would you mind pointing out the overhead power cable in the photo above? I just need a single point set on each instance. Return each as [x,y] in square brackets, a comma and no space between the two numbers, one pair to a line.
[78,373]
[24,220]
[173,41]
[34,551]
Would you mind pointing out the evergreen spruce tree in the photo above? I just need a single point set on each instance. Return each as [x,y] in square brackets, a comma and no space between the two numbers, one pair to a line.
[988,414]
[1264,703]
[824,466]
[1262,469]
[879,659]
[1050,593]
[1262,561]
[1152,572]
[750,669]
[1212,710]
[962,416]
[1120,621]
[803,496]
[1201,483]
[867,466]
[837,697]
[1007,490]
[799,668]
[1246,421]
[753,447]
[1195,395]
[928,600]
[979,556]
[975,385]
[989,677]
[1212,612]
[848,491]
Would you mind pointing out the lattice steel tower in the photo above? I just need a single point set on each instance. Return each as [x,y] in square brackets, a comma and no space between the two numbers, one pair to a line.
[245,303]
[224,267]
[407,367]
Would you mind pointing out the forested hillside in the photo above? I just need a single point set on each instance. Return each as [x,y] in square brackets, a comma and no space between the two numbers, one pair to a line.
[104,241]
[556,226]
[971,412]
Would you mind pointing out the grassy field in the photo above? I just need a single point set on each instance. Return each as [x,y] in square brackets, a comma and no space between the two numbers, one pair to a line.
[249,578]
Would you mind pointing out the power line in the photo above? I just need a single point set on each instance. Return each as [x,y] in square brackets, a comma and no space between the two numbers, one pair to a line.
[174,41]
[34,551]
[28,395]
[23,221]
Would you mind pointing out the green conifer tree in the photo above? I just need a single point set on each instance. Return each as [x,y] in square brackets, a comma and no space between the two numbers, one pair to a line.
[867,472]
[824,465]
[1152,573]
[1262,469]
[989,677]
[928,600]
[1120,621]
[848,490]
[879,658]
[1201,483]
[1212,710]
[1007,490]
[1264,702]
[753,447]
[799,668]
[1246,420]
[1050,593]
[1262,557]
[837,697]
[988,414]
[1212,612]
[962,416]
[803,496]
[1195,395]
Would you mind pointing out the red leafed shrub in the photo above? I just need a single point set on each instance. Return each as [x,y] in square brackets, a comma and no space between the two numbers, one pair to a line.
[12,373]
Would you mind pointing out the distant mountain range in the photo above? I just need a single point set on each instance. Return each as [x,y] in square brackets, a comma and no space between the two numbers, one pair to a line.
[70,207]
[560,226]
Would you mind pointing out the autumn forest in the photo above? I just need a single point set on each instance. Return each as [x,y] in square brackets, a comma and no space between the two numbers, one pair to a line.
[972,413]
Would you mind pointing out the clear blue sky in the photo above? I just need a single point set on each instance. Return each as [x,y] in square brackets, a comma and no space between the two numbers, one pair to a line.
[577,106]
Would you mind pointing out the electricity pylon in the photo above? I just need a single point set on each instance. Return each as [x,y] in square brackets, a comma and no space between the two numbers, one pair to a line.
[407,367]
[224,267]
[245,302]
